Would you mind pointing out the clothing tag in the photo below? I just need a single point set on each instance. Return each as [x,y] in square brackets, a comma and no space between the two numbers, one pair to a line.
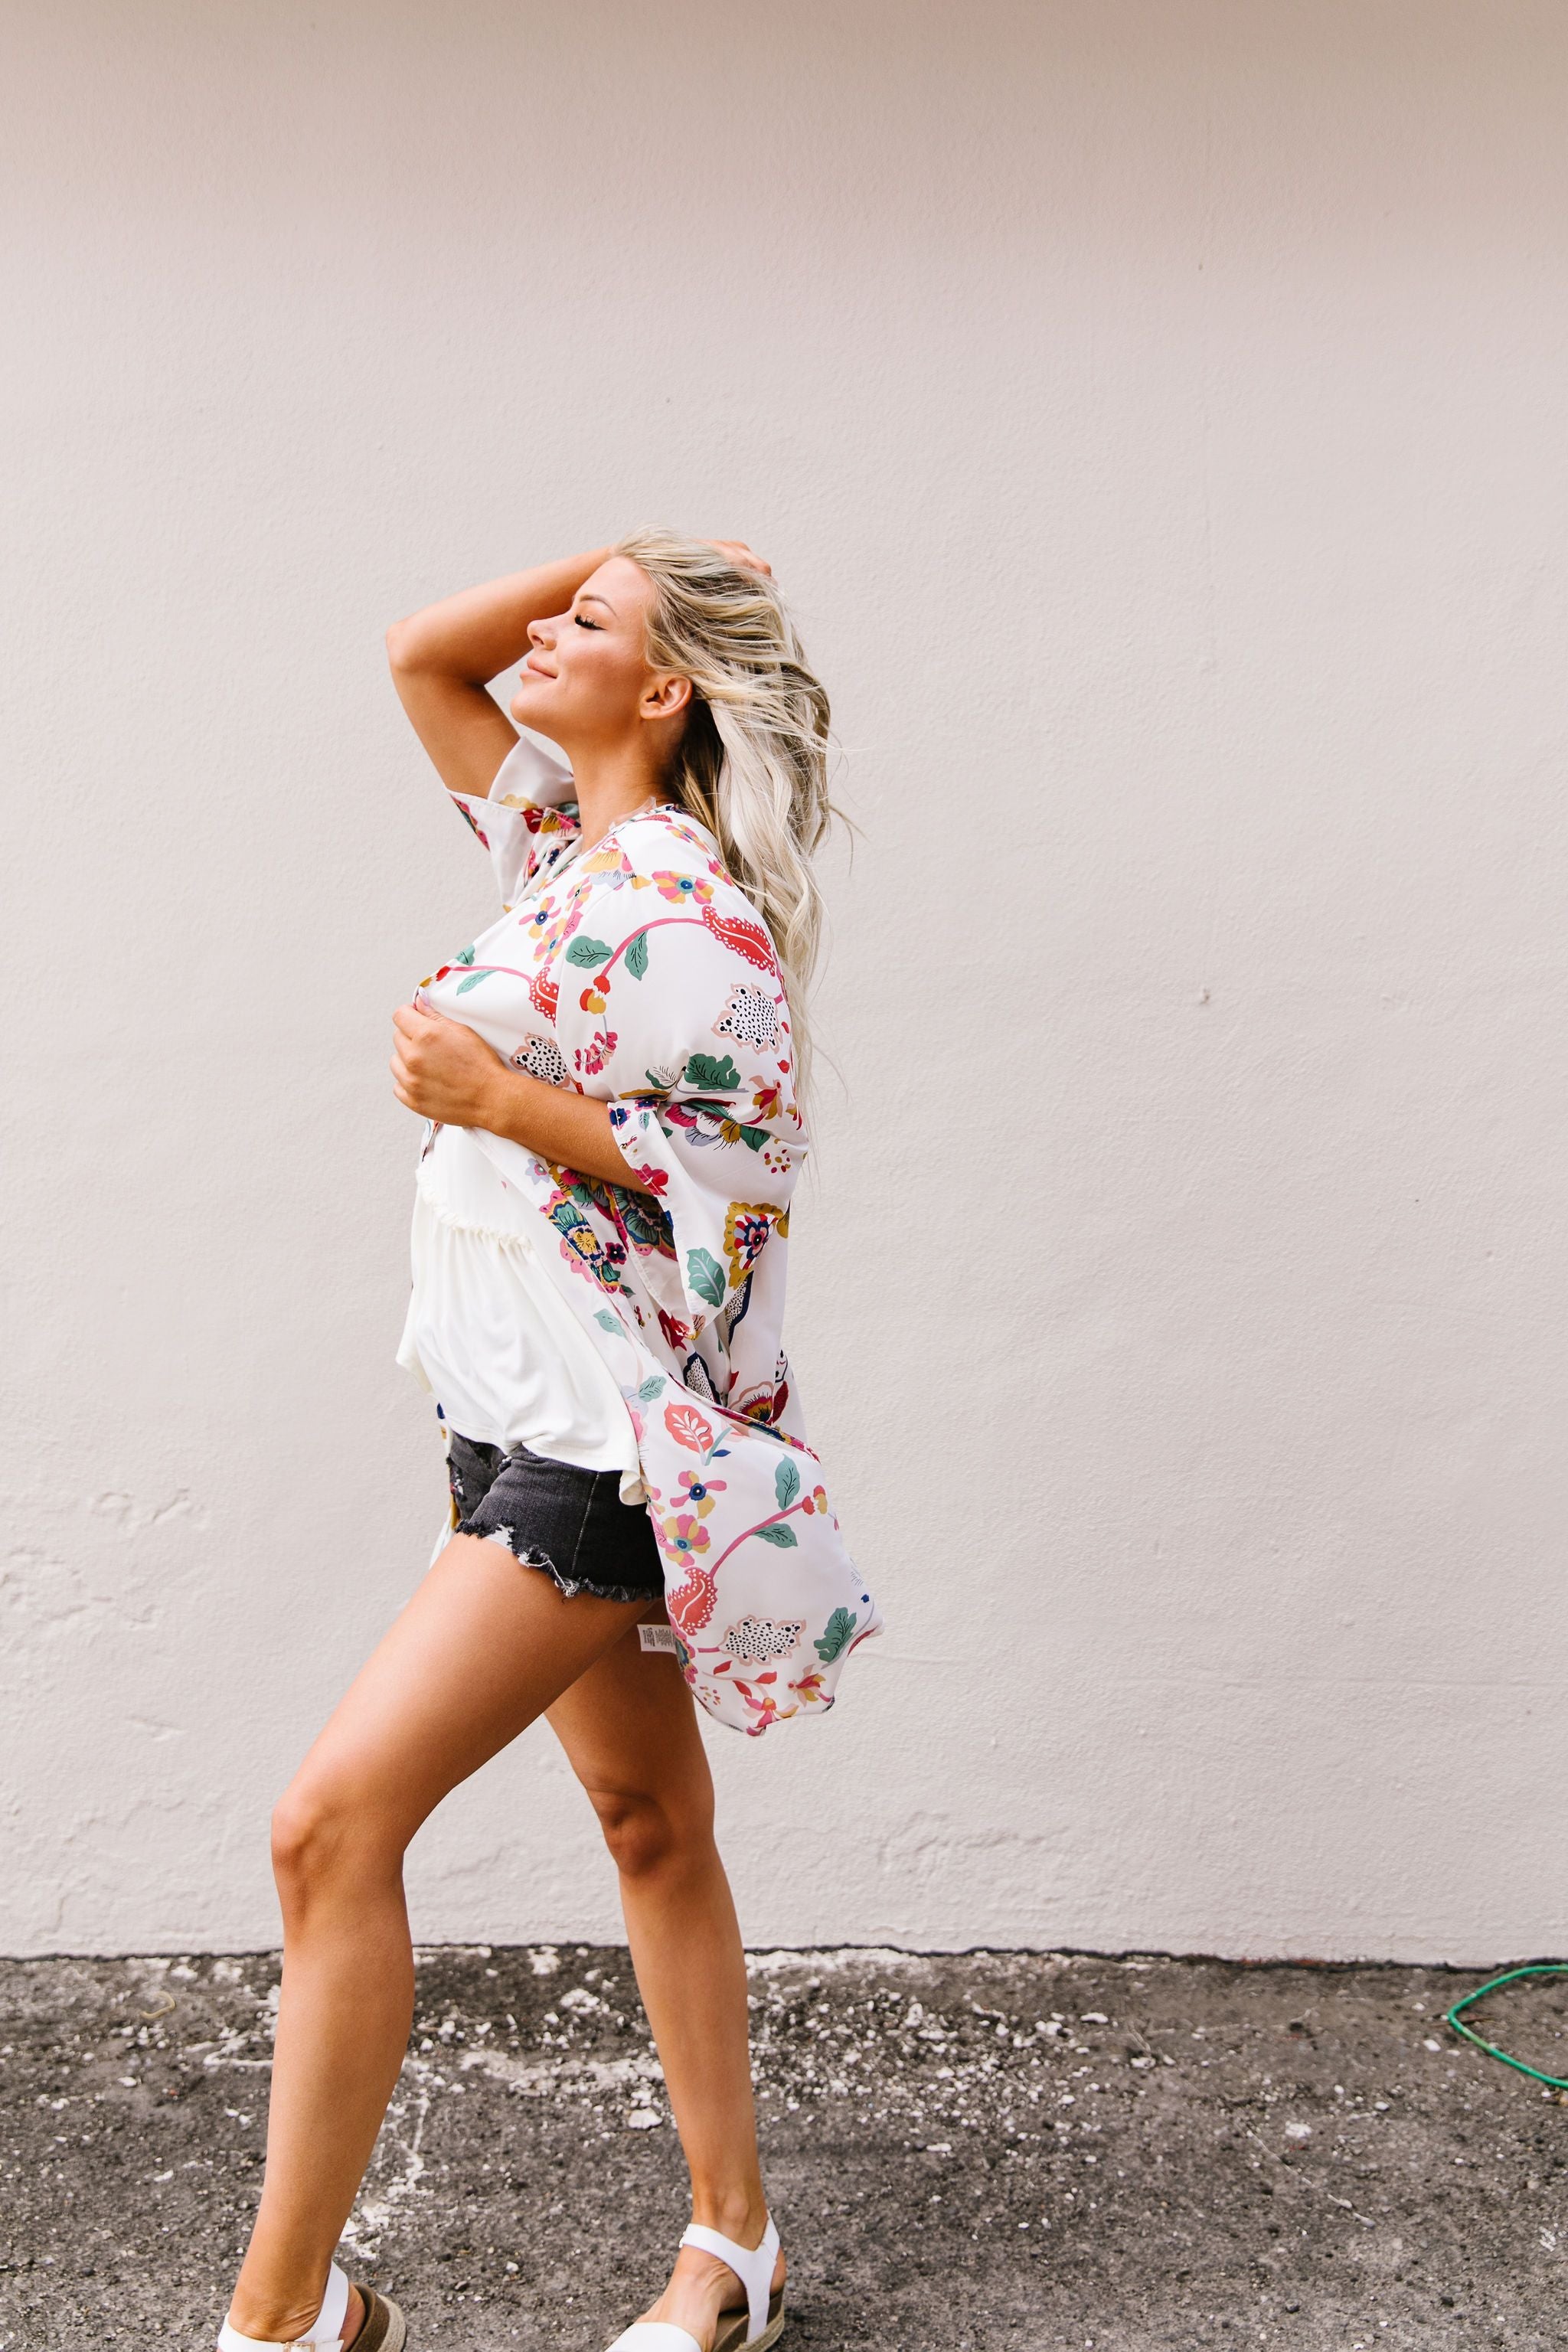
[657,1637]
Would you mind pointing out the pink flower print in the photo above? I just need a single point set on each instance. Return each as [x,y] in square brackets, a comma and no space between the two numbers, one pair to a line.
[591,1057]
[698,1491]
[677,887]
[684,1536]
[766,1707]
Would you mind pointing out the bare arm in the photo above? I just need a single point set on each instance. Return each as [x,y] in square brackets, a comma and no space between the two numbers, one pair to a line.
[444,1070]
[443,658]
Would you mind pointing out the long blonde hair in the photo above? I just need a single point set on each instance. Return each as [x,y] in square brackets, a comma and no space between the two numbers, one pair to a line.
[752,763]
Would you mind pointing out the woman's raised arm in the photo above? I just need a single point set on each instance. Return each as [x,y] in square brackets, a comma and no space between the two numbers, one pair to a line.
[444,657]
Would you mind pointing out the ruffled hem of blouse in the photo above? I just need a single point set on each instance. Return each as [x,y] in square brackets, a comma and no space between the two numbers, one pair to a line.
[456,1223]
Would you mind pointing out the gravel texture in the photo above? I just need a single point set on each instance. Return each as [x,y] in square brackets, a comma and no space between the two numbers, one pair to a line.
[987,2150]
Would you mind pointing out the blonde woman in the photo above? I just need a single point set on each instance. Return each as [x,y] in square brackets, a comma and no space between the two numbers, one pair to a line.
[610,1077]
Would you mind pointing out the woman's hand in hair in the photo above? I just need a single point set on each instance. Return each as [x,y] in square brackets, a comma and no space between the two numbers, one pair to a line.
[744,558]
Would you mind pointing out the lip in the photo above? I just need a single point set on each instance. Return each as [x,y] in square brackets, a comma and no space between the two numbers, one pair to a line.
[528,669]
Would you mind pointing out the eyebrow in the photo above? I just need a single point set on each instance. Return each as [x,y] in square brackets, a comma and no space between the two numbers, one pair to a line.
[592,599]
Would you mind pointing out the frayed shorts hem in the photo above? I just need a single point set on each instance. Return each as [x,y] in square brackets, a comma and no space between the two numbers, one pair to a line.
[555,1516]
[569,1587]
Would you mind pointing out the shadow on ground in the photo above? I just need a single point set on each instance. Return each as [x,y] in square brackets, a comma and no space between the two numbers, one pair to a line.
[994,2150]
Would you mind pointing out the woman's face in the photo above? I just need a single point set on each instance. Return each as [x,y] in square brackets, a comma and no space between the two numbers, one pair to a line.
[586,678]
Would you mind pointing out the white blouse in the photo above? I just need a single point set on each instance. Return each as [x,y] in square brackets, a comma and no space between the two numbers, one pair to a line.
[488,1333]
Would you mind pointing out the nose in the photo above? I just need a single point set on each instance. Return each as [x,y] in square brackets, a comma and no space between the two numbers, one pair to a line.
[541,633]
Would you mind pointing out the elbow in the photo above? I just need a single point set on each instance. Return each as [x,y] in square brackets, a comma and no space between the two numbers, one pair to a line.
[402,645]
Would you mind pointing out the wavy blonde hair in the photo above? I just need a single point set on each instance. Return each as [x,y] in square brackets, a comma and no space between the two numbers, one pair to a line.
[752,762]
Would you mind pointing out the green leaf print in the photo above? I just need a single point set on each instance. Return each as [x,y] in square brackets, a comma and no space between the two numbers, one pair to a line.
[705,1276]
[754,1136]
[650,1389]
[467,956]
[472,981]
[835,1634]
[786,1483]
[637,956]
[703,1070]
[784,1537]
[587,951]
[605,1321]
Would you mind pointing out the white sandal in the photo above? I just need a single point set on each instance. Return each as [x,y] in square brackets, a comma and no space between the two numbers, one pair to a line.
[764,2319]
[383,2328]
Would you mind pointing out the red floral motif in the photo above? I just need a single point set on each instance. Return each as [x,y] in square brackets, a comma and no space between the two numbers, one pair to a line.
[690,1604]
[676,1334]
[748,939]
[687,1426]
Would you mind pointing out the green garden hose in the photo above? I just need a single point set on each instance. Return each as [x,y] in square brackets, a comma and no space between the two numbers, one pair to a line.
[1509,1976]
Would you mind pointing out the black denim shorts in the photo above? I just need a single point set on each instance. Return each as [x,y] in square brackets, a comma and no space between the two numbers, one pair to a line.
[554,1516]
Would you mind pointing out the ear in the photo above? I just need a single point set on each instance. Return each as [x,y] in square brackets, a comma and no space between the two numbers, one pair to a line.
[665,694]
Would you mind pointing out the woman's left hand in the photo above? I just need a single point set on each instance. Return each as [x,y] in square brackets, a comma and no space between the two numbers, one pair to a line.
[442,1069]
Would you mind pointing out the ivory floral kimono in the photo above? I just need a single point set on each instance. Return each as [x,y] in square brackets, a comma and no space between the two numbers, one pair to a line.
[639,973]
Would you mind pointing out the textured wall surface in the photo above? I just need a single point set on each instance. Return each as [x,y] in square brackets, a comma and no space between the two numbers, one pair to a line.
[1155,410]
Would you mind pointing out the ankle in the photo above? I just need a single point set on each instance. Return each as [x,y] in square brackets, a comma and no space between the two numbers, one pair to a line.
[265,2323]
[738,2214]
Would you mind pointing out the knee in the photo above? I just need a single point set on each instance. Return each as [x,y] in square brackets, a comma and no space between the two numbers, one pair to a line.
[647,1834]
[322,1833]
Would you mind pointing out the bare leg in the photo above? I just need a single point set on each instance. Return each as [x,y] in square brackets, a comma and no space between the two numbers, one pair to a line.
[630,1728]
[482,1649]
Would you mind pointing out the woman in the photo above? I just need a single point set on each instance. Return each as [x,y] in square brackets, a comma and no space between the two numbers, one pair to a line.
[597,1316]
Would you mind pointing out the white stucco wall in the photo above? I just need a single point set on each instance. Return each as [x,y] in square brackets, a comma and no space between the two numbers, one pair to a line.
[1156,411]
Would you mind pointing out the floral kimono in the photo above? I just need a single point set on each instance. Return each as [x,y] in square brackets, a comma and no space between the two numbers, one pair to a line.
[639,973]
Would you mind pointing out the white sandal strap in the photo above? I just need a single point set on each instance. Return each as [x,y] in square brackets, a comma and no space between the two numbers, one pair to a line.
[325,2333]
[752,2265]
[656,2335]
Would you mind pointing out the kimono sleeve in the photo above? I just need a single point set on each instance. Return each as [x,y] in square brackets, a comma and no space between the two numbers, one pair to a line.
[686,1026]
[529,816]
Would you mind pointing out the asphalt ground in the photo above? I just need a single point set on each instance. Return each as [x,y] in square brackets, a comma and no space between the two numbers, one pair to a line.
[991,2150]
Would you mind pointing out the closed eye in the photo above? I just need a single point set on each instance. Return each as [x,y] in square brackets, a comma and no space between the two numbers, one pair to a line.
[582,624]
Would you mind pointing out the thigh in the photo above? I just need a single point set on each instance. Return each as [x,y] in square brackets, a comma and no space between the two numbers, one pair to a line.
[484,1648]
[628,1725]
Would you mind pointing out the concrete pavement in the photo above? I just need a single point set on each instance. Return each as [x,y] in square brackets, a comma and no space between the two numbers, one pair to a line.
[989,2151]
